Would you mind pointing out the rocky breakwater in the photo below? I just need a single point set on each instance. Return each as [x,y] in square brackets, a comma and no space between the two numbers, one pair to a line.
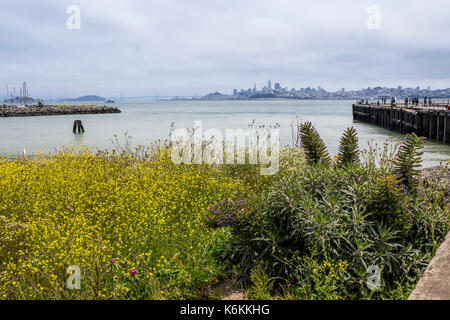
[50,110]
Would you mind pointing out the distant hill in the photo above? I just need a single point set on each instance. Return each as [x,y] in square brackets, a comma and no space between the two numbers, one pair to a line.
[86,98]
[215,96]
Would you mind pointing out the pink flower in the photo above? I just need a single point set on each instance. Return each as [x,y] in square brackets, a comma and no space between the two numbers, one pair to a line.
[133,271]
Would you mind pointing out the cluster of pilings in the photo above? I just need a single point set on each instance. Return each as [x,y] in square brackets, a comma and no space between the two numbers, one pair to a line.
[78,127]
[429,122]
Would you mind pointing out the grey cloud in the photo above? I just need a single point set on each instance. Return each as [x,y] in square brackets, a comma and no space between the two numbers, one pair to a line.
[181,47]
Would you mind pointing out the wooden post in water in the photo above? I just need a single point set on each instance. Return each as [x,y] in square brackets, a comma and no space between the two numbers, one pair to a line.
[78,127]
[437,127]
[430,125]
[81,126]
[444,138]
[391,116]
[401,120]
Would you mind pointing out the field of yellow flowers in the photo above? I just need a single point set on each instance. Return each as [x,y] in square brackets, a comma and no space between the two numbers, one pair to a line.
[131,225]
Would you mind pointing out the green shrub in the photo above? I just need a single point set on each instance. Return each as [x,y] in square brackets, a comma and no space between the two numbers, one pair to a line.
[348,147]
[313,145]
[408,161]
[355,214]
[316,280]
[390,202]
[261,283]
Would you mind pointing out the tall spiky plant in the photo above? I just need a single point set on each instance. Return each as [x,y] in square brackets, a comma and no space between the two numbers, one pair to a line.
[348,147]
[313,145]
[408,161]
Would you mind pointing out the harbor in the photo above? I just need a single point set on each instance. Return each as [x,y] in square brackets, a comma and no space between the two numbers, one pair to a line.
[427,120]
[19,103]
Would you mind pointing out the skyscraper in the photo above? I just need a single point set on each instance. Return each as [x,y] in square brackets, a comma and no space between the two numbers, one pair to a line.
[24,91]
[269,85]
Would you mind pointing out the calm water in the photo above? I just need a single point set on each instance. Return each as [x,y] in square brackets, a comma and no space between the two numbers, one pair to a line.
[149,121]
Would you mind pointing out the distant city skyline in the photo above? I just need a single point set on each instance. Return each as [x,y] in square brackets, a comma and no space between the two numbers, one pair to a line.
[13,93]
[279,91]
[283,89]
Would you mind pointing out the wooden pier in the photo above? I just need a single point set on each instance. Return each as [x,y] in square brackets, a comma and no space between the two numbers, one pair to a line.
[430,121]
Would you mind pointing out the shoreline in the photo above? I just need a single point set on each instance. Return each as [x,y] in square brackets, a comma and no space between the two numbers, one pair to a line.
[52,110]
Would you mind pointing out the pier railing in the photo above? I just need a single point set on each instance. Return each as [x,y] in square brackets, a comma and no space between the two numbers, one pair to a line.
[437,104]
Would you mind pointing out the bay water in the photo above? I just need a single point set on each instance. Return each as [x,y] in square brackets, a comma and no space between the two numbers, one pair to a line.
[148,121]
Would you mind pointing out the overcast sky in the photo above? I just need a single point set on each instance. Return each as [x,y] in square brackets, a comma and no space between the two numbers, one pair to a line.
[183,47]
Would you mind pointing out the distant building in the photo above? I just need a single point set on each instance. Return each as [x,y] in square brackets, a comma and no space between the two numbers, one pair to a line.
[305,93]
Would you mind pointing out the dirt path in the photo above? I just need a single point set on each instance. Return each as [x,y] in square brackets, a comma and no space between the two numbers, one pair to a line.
[226,290]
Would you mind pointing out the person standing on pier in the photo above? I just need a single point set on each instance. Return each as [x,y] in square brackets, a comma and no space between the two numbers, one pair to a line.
[406,101]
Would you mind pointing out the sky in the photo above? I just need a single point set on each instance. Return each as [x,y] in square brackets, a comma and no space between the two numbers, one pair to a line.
[179,47]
